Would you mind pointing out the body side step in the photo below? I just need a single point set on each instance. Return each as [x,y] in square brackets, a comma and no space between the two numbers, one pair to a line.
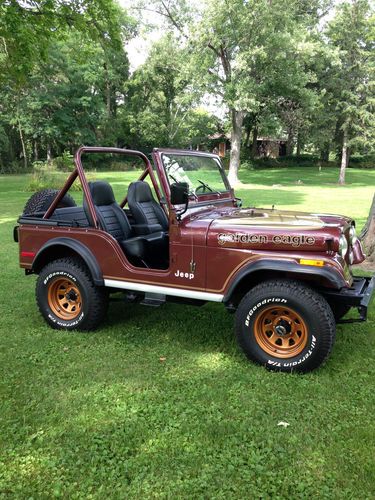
[153,299]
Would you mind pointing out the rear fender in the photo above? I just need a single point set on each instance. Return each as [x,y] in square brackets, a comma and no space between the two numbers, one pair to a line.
[55,248]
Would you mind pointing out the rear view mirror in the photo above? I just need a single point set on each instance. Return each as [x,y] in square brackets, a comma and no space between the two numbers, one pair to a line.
[179,193]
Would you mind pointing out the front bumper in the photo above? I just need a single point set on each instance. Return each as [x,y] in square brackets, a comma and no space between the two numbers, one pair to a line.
[359,295]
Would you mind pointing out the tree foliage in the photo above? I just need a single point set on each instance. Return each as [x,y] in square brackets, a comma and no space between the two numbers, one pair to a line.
[351,33]
[256,55]
[163,102]
[28,27]
[69,74]
[275,68]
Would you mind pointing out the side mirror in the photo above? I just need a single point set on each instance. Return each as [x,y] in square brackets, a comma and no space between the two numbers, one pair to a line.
[179,193]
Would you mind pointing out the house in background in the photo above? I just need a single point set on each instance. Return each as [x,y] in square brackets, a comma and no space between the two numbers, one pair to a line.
[220,143]
[267,147]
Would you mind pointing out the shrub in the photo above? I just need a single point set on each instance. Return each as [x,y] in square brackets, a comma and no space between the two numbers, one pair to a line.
[247,165]
[65,162]
[362,161]
[288,162]
[307,160]
[46,175]
[111,162]
[14,167]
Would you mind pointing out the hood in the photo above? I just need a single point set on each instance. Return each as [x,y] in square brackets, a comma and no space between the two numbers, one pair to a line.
[275,229]
[280,219]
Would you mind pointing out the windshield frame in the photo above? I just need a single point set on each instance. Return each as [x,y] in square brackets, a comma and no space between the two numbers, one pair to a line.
[199,198]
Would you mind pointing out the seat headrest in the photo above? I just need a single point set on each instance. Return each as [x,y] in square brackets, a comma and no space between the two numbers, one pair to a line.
[102,193]
[140,191]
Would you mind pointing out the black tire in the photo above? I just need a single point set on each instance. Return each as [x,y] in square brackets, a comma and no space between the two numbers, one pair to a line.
[84,309]
[339,310]
[285,326]
[41,201]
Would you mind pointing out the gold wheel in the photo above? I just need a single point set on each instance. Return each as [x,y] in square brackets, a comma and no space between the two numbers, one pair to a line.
[280,332]
[64,299]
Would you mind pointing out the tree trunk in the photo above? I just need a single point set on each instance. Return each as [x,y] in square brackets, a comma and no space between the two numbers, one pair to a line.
[23,145]
[237,120]
[367,235]
[108,104]
[344,156]
[49,153]
[36,151]
[254,144]
[299,144]
[338,140]
[12,155]
[290,143]
[324,152]
[107,90]
[247,139]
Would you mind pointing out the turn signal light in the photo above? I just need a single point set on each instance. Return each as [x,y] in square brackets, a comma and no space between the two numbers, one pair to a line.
[312,262]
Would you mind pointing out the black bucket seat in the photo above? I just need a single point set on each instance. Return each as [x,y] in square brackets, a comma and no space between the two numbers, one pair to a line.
[112,219]
[148,214]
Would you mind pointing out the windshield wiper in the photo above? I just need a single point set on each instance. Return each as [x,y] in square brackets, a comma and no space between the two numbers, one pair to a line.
[173,178]
[206,186]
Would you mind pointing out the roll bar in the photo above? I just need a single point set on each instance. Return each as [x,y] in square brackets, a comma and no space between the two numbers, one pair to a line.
[79,172]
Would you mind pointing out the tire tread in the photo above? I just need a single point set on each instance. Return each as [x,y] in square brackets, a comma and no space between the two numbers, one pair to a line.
[97,295]
[318,303]
[41,201]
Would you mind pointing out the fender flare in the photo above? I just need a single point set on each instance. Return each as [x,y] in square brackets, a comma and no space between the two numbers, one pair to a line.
[328,273]
[78,247]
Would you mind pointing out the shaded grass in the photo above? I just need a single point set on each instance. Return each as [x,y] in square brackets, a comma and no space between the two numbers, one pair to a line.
[98,414]
[319,191]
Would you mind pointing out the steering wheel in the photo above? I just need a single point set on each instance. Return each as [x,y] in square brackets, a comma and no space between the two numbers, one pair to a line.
[203,187]
[200,189]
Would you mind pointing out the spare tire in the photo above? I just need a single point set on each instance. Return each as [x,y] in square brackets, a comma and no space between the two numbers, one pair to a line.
[41,201]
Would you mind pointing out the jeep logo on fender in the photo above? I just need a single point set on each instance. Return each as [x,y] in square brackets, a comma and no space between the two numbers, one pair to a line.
[254,239]
[181,274]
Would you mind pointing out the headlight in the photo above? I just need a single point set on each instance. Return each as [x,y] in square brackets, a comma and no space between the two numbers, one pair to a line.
[343,245]
[352,235]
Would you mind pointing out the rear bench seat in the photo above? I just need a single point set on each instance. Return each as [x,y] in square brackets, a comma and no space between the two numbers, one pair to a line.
[74,214]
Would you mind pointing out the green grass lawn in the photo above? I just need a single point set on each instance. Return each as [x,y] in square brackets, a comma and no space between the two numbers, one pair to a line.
[96,415]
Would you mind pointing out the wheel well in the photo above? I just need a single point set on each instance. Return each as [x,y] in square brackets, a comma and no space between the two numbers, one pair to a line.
[250,280]
[53,253]
[58,251]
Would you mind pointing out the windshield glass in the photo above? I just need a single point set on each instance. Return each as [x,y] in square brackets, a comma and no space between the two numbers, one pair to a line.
[204,174]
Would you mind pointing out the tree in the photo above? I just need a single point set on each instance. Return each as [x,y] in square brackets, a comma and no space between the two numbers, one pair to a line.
[28,27]
[70,74]
[245,51]
[66,98]
[322,116]
[351,32]
[368,234]
[162,104]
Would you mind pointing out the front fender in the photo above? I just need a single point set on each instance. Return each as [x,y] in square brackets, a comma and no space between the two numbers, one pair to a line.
[326,274]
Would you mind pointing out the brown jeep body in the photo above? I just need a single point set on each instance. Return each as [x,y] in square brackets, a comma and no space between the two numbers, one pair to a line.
[218,251]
